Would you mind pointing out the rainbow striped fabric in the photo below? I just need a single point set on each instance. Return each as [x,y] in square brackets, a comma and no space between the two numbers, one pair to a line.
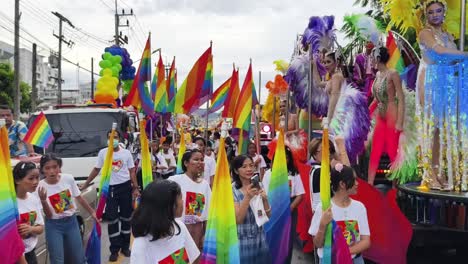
[325,194]
[219,96]
[139,95]
[39,133]
[146,168]
[182,149]
[172,82]
[396,60]
[10,242]
[159,85]
[278,229]
[233,95]
[243,112]
[190,92]
[221,243]
[93,248]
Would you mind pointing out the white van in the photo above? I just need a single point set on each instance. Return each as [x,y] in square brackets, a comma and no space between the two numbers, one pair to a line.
[80,132]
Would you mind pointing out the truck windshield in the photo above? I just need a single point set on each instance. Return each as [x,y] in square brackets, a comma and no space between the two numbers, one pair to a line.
[81,134]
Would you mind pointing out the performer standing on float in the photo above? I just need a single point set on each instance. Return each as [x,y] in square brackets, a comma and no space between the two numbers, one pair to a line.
[389,101]
[435,88]
[364,71]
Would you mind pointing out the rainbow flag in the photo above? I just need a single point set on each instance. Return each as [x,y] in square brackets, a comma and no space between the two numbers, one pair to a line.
[172,82]
[396,60]
[221,244]
[39,133]
[159,85]
[278,229]
[219,96]
[93,248]
[243,112]
[325,194]
[189,92]
[10,242]
[139,95]
[146,168]
[233,95]
[182,149]
[207,88]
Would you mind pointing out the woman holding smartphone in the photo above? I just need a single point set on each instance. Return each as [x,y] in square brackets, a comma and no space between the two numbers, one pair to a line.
[253,246]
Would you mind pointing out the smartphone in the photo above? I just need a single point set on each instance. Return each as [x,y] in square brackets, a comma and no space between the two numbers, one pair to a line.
[255,180]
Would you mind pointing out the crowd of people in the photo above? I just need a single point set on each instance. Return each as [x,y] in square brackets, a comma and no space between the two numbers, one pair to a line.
[170,221]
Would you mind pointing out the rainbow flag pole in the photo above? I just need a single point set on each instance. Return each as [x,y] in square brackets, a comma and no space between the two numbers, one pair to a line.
[39,133]
[325,192]
[221,243]
[10,242]
[277,230]
[93,249]
[146,169]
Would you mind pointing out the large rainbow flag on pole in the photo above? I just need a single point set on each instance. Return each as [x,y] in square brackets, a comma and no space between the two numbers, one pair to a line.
[159,85]
[146,168]
[325,192]
[171,83]
[233,95]
[243,112]
[191,89]
[219,96]
[278,229]
[396,60]
[221,244]
[39,133]
[139,95]
[10,242]
[93,249]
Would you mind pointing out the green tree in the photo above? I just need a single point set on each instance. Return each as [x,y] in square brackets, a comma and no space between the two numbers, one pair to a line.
[7,89]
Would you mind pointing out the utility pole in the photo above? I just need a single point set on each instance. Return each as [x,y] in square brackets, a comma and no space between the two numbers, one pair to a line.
[16,81]
[61,39]
[92,78]
[34,79]
[119,39]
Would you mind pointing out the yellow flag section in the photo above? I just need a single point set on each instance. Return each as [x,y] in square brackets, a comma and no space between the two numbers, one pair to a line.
[146,169]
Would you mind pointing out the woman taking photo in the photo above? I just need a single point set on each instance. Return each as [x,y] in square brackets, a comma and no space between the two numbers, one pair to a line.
[31,222]
[196,194]
[252,242]
[159,236]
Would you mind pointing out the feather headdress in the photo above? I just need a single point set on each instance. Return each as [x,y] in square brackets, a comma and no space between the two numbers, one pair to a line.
[405,14]
[366,27]
[320,33]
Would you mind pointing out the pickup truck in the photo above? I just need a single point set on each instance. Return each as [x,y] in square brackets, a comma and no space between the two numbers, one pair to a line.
[79,133]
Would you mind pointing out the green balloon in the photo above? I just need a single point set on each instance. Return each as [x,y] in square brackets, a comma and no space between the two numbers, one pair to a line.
[117,59]
[107,56]
[101,73]
[105,64]
[118,66]
[115,71]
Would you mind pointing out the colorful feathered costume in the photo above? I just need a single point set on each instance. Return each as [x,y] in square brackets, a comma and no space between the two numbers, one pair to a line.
[437,89]
[351,119]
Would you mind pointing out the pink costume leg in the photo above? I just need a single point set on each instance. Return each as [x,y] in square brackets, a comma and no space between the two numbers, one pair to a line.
[378,144]
[392,136]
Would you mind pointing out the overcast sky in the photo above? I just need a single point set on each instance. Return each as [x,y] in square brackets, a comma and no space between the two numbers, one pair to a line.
[262,30]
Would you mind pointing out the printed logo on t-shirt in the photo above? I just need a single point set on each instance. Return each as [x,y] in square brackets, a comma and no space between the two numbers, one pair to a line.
[61,201]
[117,165]
[178,257]
[350,230]
[28,218]
[194,204]
[290,186]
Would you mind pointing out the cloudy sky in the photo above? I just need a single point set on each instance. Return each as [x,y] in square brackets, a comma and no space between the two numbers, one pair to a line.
[264,30]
